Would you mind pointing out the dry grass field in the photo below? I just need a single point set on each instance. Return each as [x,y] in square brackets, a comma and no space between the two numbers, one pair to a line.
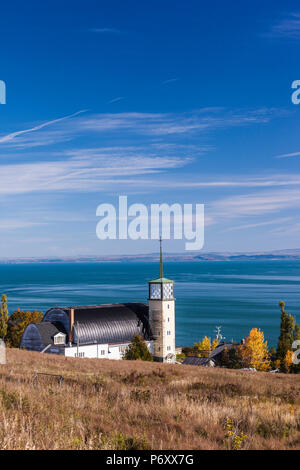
[130,405]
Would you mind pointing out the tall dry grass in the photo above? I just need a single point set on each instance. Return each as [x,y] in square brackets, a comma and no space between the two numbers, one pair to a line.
[106,404]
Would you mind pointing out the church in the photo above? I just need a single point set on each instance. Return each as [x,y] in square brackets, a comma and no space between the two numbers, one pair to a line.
[105,331]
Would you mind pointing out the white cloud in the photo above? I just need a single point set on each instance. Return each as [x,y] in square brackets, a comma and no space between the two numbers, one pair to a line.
[151,125]
[9,138]
[170,80]
[257,203]
[105,30]
[116,100]
[86,171]
[286,155]
[13,224]
[288,27]
[259,224]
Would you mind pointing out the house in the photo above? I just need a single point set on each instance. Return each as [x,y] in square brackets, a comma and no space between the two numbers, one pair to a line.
[214,358]
[105,331]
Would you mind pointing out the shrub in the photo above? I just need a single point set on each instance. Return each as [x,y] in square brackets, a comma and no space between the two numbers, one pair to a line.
[138,350]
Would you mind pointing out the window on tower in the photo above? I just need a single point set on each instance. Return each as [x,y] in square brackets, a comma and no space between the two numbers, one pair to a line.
[155,291]
[168,291]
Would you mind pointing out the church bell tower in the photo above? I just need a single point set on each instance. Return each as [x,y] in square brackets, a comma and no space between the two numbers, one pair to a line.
[162,316]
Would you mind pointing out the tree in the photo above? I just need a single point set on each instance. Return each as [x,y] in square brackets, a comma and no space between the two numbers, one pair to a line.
[138,350]
[288,360]
[297,332]
[231,359]
[17,323]
[3,316]
[254,353]
[204,348]
[286,338]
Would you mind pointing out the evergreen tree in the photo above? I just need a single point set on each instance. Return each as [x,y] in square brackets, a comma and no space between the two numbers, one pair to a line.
[297,332]
[3,316]
[286,337]
[137,350]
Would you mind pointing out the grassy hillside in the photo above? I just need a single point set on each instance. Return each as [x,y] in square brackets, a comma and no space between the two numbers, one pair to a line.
[106,404]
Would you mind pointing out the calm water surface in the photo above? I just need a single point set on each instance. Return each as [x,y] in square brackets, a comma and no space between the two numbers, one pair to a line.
[235,295]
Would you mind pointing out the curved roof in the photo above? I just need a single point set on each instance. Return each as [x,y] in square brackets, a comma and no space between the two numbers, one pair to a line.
[105,324]
[39,335]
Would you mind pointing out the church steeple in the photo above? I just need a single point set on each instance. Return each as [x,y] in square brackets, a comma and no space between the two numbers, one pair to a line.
[161,270]
[162,314]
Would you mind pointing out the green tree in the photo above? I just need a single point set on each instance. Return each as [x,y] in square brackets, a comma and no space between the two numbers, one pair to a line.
[286,338]
[17,323]
[231,359]
[297,332]
[3,316]
[138,350]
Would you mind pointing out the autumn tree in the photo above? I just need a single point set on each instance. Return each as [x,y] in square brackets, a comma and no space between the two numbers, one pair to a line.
[17,324]
[254,353]
[205,347]
[3,316]
[138,350]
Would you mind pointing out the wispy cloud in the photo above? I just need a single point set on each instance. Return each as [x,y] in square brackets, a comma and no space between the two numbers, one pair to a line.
[287,155]
[239,181]
[13,224]
[170,124]
[86,171]
[170,80]
[266,202]
[12,137]
[105,30]
[278,221]
[286,230]
[288,27]
[115,100]
[150,125]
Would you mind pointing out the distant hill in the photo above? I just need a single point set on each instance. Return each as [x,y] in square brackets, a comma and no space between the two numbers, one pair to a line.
[289,254]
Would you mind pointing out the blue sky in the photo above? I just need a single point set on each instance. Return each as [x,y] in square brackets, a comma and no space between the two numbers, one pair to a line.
[166,101]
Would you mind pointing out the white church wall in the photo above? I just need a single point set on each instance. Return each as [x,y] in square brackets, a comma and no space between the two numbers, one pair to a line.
[99,351]
[102,351]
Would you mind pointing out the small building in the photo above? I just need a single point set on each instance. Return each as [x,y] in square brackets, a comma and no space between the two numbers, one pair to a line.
[105,331]
[214,358]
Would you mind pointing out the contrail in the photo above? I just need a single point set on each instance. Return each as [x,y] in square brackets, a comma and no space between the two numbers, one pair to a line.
[10,137]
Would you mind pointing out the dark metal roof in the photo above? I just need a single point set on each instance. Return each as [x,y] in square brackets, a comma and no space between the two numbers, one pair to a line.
[216,354]
[106,324]
[196,361]
[48,330]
